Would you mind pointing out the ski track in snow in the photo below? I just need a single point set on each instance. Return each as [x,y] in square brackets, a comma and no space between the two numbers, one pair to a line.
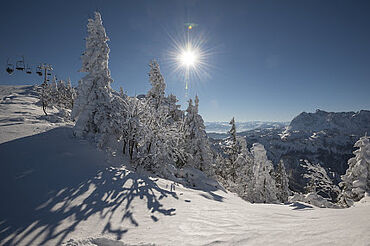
[56,189]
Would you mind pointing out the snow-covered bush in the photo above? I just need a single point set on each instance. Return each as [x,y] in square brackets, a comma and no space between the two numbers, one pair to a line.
[319,182]
[356,181]
[314,199]
[153,144]
[58,95]
[65,94]
[143,127]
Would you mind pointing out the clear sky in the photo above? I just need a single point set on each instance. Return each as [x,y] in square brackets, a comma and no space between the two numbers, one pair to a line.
[267,60]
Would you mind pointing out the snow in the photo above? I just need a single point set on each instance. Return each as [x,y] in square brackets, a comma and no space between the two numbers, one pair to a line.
[19,114]
[56,189]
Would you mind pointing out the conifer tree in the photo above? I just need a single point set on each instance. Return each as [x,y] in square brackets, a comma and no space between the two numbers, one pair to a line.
[232,151]
[356,180]
[45,96]
[92,108]
[54,92]
[196,140]
[282,183]
[156,94]
[71,94]
[263,186]
[173,109]
[121,93]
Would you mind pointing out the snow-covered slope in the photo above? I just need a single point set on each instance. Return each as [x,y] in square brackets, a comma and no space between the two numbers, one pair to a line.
[19,114]
[56,189]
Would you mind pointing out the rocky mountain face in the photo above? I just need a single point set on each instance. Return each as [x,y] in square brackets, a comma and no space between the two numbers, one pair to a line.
[322,137]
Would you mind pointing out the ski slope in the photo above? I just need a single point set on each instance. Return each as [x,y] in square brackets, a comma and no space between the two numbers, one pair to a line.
[59,190]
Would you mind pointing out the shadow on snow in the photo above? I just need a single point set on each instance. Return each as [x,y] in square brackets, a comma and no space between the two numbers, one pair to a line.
[50,178]
[300,206]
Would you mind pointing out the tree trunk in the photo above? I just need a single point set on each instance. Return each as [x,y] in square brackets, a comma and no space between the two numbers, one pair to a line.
[131,148]
[124,147]
[44,108]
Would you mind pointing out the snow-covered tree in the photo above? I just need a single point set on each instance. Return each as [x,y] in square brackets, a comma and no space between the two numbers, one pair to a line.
[196,141]
[356,181]
[282,183]
[173,108]
[57,94]
[319,182]
[45,96]
[54,90]
[158,145]
[62,99]
[70,95]
[92,107]
[156,94]
[232,150]
[244,175]
[121,92]
[263,186]
[133,128]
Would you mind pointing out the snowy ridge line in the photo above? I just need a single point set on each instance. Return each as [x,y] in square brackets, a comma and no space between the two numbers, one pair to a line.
[223,127]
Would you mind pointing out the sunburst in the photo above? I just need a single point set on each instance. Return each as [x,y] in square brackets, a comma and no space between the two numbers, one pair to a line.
[189,58]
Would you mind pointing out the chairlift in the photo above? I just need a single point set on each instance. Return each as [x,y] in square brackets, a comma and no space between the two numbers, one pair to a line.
[9,67]
[28,69]
[20,65]
[38,71]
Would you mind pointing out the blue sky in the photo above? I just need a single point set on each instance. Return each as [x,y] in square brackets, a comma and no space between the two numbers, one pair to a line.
[268,60]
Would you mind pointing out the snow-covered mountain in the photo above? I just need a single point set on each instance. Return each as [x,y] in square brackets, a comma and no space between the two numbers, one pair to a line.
[223,127]
[343,123]
[56,189]
[321,137]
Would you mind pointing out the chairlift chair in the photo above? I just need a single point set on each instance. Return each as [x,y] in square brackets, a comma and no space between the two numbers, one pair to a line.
[38,71]
[20,65]
[9,67]
[28,69]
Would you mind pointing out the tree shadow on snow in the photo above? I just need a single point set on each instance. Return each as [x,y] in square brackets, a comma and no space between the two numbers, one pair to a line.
[300,206]
[51,182]
[212,196]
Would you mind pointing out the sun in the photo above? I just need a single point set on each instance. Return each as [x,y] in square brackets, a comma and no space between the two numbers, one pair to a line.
[188,58]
